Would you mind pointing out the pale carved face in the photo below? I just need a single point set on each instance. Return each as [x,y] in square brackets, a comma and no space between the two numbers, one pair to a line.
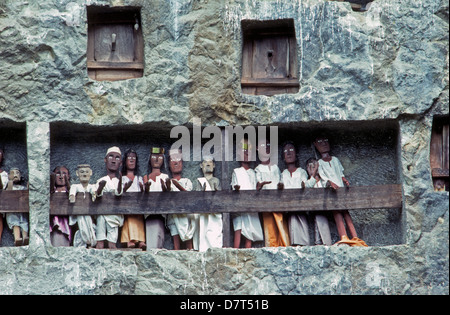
[15,175]
[84,174]
[208,166]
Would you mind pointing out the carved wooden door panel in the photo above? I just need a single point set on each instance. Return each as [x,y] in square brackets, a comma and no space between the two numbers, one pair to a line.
[269,63]
[123,36]
[115,45]
[439,153]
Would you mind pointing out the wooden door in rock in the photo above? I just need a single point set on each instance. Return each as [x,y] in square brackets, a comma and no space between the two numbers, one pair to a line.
[269,61]
[115,45]
[439,151]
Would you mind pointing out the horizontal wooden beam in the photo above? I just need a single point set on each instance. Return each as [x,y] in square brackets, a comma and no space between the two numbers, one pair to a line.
[266,82]
[309,199]
[114,65]
[439,172]
[14,201]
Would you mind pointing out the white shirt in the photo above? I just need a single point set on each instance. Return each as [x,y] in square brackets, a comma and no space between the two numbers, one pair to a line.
[332,171]
[268,173]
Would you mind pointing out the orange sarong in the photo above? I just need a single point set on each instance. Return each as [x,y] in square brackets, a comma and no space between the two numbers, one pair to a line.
[133,228]
[276,230]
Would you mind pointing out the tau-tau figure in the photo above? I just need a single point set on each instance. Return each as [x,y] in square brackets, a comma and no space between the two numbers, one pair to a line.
[276,232]
[60,230]
[155,181]
[108,225]
[332,173]
[133,230]
[18,222]
[3,183]
[322,232]
[210,225]
[182,226]
[85,235]
[294,177]
[245,225]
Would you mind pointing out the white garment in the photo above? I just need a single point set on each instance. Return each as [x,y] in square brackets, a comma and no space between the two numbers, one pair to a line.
[295,180]
[108,225]
[298,222]
[154,224]
[156,185]
[4,180]
[332,171]
[183,225]
[248,223]
[135,186]
[209,232]
[268,173]
[86,227]
[17,218]
[328,171]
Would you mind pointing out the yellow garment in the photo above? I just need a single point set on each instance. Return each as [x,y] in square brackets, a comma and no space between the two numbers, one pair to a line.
[276,231]
[133,229]
[352,242]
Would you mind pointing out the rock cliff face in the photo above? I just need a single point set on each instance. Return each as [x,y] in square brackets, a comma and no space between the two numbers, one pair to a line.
[375,79]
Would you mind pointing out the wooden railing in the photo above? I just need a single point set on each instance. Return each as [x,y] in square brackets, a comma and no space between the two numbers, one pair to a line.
[308,199]
[226,201]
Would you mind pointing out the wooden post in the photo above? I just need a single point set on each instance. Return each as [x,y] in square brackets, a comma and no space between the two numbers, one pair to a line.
[225,183]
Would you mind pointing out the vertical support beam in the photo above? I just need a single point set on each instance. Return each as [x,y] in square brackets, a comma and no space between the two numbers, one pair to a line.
[225,186]
[38,149]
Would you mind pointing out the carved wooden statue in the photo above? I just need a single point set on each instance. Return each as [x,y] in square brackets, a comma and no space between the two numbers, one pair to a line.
[182,226]
[276,232]
[85,235]
[18,222]
[295,177]
[332,172]
[3,183]
[246,225]
[108,225]
[210,226]
[155,181]
[60,230]
[322,232]
[133,230]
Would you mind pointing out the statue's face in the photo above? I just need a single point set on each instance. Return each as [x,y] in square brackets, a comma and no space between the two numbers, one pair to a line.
[62,177]
[15,175]
[264,150]
[131,161]
[207,166]
[84,174]
[289,153]
[113,161]
[311,165]
[244,151]
[156,160]
[176,163]
[322,145]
